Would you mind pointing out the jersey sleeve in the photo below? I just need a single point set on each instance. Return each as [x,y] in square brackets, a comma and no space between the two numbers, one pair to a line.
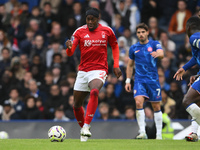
[75,38]
[194,41]
[157,46]
[112,40]
[131,53]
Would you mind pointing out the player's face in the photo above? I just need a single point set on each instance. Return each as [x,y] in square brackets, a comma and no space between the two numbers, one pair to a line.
[142,34]
[92,22]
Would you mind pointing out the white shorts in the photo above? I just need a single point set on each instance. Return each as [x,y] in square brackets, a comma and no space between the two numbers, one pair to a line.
[83,78]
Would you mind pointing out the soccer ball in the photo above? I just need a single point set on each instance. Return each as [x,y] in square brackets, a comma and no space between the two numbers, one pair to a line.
[4,135]
[56,134]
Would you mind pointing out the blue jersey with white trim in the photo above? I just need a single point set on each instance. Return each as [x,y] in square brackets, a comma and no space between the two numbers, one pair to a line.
[195,43]
[145,64]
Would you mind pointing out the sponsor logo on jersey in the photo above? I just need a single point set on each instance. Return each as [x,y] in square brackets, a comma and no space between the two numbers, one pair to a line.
[103,34]
[86,36]
[149,49]
[137,51]
[95,43]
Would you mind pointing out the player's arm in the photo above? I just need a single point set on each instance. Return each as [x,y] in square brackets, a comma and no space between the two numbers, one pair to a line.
[115,52]
[71,45]
[179,74]
[129,72]
[159,51]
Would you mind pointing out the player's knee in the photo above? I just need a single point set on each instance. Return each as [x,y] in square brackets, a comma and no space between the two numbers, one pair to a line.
[139,105]
[94,92]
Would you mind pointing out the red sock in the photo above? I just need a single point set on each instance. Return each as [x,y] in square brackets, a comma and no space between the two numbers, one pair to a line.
[92,105]
[79,114]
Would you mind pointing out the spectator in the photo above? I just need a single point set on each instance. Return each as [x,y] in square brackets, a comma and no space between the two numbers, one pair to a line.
[68,108]
[60,115]
[70,27]
[34,24]
[15,101]
[48,81]
[129,113]
[164,85]
[17,69]
[56,34]
[65,90]
[56,72]
[117,25]
[5,62]
[71,77]
[39,105]
[31,111]
[104,111]
[4,42]
[10,4]
[24,62]
[25,83]
[26,44]
[115,114]
[34,91]
[154,30]
[169,105]
[53,102]
[37,75]
[78,15]
[55,48]
[16,11]
[130,39]
[4,18]
[38,48]
[8,112]
[149,9]
[168,45]
[54,4]
[16,33]
[48,16]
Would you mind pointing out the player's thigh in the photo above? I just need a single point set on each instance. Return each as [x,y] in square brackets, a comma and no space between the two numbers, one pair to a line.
[140,90]
[81,83]
[154,92]
[193,94]
[96,79]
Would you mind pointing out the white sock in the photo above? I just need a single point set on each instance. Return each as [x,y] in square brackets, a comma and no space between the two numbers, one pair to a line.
[194,126]
[86,125]
[141,120]
[158,121]
[194,111]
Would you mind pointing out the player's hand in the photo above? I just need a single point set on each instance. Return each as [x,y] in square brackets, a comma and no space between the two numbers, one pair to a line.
[128,87]
[117,72]
[179,74]
[154,54]
[192,79]
[68,43]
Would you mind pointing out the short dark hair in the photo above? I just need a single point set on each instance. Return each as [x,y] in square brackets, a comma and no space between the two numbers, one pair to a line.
[47,3]
[92,11]
[143,26]
[5,48]
[193,22]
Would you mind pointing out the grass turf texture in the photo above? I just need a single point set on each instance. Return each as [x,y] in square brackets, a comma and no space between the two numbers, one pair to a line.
[97,144]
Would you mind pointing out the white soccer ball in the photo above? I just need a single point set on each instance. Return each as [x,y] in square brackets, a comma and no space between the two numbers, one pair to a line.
[56,134]
[4,135]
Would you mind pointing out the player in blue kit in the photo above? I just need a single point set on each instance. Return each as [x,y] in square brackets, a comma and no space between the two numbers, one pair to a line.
[191,100]
[146,84]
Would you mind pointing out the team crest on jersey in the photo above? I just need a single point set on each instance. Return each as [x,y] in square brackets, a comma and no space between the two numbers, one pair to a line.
[103,34]
[149,49]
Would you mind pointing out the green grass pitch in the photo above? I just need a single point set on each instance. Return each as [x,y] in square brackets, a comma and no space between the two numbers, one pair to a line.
[97,144]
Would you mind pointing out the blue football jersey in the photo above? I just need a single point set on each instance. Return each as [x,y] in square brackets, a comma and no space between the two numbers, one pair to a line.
[195,43]
[145,64]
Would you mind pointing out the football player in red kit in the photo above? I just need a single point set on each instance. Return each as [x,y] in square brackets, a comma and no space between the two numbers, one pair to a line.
[93,69]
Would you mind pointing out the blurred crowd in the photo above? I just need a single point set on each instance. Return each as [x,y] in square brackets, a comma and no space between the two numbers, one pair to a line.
[37,77]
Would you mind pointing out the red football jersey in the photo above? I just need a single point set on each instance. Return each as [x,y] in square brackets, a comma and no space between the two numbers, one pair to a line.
[93,46]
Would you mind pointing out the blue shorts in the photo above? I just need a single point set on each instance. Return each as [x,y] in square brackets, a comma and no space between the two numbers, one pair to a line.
[151,91]
[196,85]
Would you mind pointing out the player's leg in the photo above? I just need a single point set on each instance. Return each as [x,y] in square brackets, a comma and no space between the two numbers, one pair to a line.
[194,129]
[79,98]
[157,119]
[190,100]
[140,115]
